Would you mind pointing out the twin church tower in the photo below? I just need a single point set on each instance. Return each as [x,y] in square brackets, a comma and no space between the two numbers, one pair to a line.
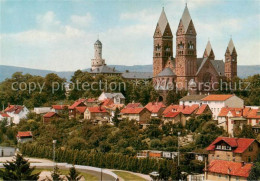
[186,67]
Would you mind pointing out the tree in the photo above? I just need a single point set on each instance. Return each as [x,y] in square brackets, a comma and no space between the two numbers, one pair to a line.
[56,174]
[115,118]
[18,169]
[247,132]
[255,170]
[73,175]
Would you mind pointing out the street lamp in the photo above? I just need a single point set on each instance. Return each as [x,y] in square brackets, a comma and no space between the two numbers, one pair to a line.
[54,143]
[179,133]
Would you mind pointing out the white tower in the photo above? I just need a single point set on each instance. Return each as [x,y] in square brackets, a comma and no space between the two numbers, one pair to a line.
[97,61]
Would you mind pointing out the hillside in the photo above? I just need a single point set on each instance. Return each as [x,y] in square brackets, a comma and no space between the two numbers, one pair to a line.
[7,71]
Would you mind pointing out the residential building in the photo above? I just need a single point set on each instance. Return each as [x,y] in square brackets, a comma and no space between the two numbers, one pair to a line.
[80,112]
[141,114]
[174,117]
[50,116]
[16,112]
[233,149]
[59,108]
[72,108]
[42,110]
[97,114]
[233,118]
[7,151]
[24,136]
[218,101]
[191,99]
[227,170]
[156,109]
[118,98]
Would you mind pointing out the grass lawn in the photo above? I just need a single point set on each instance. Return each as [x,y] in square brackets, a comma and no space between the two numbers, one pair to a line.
[128,176]
[66,172]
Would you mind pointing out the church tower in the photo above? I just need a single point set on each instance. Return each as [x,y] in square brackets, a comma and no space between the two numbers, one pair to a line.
[231,61]
[209,52]
[186,53]
[162,44]
[97,61]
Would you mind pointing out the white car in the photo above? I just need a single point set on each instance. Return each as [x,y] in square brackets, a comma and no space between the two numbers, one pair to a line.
[154,173]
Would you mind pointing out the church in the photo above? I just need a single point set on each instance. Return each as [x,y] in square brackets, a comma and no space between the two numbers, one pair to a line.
[186,69]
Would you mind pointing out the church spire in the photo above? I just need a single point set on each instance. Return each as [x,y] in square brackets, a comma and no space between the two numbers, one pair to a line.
[209,51]
[231,46]
[162,22]
[186,18]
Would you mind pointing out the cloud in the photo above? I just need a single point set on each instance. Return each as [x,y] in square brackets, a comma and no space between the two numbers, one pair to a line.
[48,22]
[81,21]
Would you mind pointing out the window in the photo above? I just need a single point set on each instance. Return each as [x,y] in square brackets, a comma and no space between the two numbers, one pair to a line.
[219,176]
[249,159]
[223,147]
[237,178]
[218,147]
[228,148]
[251,148]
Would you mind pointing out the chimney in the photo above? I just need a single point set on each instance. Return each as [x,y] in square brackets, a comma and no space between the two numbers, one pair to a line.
[8,104]
[243,163]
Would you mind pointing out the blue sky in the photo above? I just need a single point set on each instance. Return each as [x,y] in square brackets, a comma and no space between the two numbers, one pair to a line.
[59,35]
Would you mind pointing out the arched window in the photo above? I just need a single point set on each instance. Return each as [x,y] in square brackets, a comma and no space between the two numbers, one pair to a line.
[181,45]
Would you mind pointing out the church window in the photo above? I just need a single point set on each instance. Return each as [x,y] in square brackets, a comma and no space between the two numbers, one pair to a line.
[181,45]
[157,47]
[190,45]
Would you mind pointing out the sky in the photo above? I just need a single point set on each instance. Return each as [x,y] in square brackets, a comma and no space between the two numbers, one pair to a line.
[60,34]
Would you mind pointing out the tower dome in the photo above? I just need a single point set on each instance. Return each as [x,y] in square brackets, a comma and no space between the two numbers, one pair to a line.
[98,42]
[97,61]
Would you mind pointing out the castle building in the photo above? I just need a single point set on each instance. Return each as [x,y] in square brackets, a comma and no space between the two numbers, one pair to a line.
[186,70]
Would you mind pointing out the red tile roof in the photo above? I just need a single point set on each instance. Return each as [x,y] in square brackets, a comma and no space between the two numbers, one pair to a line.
[230,168]
[59,107]
[239,145]
[236,112]
[136,110]
[107,102]
[14,108]
[50,114]
[5,115]
[190,109]
[217,97]
[77,103]
[171,114]
[97,109]
[254,113]
[133,105]
[24,134]
[181,108]
[81,109]
[155,107]
[201,109]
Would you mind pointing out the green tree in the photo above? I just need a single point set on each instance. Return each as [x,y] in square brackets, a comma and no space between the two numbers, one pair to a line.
[255,170]
[73,175]
[18,169]
[55,175]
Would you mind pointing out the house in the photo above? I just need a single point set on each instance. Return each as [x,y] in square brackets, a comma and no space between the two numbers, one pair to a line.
[141,114]
[50,116]
[16,112]
[174,117]
[24,136]
[227,170]
[156,108]
[253,119]
[118,98]
[112,110]
[7,151]
[97,114]
[233,149]
[218,101]
[182,113]
[59,108]
[191,99]
[134,105]
[80,112]
[232,118]
[42,110]
[72,108]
